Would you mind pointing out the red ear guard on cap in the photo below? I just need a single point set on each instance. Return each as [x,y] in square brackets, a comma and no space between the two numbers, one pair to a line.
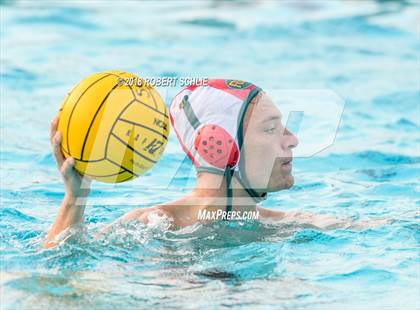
[216,146]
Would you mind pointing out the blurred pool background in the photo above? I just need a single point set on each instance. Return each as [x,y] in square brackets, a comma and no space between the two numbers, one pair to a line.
[365,51]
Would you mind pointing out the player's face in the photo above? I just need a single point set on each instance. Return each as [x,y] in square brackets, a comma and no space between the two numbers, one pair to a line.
[267,147]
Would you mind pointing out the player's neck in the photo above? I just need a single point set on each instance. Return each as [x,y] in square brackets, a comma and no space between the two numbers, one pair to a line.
[210,191]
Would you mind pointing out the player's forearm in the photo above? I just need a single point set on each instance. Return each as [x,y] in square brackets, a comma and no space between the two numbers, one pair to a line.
[71,212]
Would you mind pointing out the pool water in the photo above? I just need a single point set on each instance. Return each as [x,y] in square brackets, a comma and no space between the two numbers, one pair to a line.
[366,51]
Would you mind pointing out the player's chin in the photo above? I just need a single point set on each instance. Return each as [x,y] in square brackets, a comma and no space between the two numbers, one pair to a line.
[285,182]
[289,181]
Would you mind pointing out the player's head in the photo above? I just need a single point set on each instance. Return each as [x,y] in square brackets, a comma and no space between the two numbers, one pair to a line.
[232,127]
[267,146]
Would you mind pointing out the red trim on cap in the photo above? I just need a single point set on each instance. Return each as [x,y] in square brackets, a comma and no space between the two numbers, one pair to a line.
[242,94]
[190,156]
[192,87]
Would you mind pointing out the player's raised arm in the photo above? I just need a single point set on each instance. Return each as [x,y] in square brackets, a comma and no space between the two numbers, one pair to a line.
[73,205]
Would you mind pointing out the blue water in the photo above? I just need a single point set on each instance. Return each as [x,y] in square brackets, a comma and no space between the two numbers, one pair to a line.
[367,52]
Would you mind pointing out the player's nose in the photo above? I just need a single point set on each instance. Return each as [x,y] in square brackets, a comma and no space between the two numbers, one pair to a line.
[289,140]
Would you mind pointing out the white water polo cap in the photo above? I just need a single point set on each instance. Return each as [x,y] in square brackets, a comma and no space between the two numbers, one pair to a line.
[208,122]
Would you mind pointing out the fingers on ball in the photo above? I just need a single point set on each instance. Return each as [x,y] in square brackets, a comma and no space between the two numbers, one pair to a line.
[57,138]
[58,155]
[67,166]
[53,128]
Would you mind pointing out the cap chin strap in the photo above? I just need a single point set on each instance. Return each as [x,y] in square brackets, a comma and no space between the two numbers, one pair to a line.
[243,180]
[228,177]
[257,197]
[228,174]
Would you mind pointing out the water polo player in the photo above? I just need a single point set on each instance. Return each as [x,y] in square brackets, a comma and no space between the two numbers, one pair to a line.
[233,134]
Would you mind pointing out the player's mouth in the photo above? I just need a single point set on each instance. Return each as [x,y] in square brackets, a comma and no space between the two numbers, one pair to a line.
[287,164]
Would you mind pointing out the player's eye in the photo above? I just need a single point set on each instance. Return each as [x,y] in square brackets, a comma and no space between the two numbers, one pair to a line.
[270,129]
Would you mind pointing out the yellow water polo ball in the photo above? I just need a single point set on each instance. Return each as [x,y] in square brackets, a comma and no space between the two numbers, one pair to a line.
[114,125]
